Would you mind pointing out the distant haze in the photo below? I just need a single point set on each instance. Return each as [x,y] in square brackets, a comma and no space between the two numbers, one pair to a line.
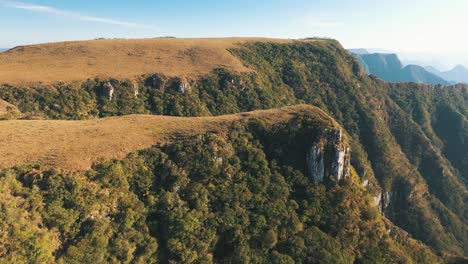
[441,61]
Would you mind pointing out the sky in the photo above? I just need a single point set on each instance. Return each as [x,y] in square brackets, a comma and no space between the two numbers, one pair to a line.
[422,31]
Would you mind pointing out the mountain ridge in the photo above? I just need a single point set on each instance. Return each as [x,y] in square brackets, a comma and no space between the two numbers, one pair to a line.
[407,140]
[183,191]
[99,139]
[121,58]
[459,74]
[389,68]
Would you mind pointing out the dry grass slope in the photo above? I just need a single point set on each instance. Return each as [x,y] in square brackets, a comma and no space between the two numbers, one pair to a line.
[76,145]
[5,107]
[8,110]
[123,58]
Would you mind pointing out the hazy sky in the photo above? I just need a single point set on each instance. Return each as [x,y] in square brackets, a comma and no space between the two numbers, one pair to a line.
[434,29]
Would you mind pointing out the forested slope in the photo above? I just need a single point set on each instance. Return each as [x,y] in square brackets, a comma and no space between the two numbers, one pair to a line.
[241,196]
[408,141]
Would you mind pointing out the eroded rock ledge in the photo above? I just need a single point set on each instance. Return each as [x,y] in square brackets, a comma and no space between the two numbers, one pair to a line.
[329,157]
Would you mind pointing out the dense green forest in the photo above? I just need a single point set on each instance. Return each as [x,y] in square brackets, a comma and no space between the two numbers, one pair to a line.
[408,140]
[243,198]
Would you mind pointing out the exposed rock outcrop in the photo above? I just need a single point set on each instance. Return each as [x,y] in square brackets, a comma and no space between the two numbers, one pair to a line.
[315,163]
[365,183]
[184,88]
[377,199]
[386,199]
[156,82]
[383,200]
[109,90]
[328,159]
[170,84]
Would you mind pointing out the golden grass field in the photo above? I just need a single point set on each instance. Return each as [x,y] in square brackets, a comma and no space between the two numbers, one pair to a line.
[76,145]
[119,58]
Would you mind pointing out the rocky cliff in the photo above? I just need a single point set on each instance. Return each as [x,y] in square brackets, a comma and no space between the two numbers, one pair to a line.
[329,158]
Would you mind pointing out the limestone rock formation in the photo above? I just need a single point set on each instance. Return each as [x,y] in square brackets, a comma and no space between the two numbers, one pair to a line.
[315,163]
[184,88]
[109,89]
[328,159]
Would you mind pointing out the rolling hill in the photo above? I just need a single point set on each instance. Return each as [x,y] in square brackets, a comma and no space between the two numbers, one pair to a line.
[129,160]
[77,145]
[76,61]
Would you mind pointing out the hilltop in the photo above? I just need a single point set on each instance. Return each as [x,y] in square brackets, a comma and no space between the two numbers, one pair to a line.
[77,145]
[120,58]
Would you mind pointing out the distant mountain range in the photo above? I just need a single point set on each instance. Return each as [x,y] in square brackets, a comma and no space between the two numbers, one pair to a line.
[416,73]
[359,51]
[388,67]
[2,50]
[459,74]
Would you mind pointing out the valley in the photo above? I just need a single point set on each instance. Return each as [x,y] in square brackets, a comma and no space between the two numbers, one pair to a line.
[212,150]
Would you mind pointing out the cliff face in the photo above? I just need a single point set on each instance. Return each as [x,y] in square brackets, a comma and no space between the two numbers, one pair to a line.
[329,159]
[385,66]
